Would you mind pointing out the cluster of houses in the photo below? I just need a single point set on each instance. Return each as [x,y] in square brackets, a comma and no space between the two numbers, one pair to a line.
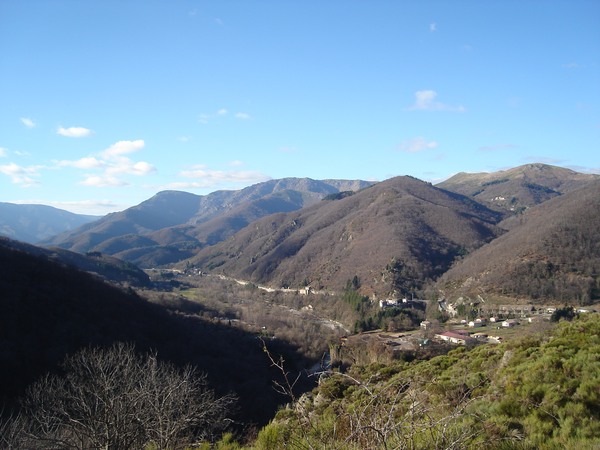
[464,337]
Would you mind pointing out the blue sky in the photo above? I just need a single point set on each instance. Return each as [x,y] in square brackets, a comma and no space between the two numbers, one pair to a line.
[106,103]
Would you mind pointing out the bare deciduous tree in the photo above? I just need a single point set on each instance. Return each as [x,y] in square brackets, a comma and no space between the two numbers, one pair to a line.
[117,399]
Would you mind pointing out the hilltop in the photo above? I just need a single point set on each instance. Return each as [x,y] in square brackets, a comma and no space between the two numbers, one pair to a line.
[551,254]
[518,188]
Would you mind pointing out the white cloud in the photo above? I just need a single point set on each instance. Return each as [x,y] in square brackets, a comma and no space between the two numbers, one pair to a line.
[426,101]
[74,132]
[433,27]
[24,176]
[103,181]
[28,122]
[123,148]
[206,178]
[206,118]
[416,145]
[128,167]
[3,152]
[236,163]
[87,163]
[110,164]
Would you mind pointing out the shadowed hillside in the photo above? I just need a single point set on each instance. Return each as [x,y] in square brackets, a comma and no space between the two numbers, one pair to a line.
[518,188]
[552,253]
[106,267]
[391,236]
[50,310]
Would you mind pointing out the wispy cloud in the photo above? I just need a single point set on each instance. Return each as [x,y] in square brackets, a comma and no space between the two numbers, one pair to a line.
[28,122]
[3,152]
[416,145]
[74,132]
[203,177]
[583,169]
[433,27]
[542,159]
[87,163]
[103,181]
[111,164]
[426,101]
[21,175]
[205,118]
[497,147]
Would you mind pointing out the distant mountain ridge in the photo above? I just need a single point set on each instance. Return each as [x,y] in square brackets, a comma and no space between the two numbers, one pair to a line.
[519,188]
[172,225]
[34,223]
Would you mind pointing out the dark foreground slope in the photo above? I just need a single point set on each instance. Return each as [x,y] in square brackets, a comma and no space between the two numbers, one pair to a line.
[552,254]
[391,236]
[49,310]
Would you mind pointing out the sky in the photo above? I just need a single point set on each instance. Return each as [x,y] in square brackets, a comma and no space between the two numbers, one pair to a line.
[105,103]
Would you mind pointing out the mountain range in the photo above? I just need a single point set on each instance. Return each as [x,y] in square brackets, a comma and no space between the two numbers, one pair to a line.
[34,223]
[173,225]
[391,238]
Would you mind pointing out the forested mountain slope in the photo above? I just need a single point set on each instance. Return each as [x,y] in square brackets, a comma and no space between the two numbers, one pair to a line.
[391,236]
[551,254]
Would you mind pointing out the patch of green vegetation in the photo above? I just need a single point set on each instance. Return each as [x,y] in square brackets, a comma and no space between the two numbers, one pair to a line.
[499,181]
[338,195]
[536,391]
